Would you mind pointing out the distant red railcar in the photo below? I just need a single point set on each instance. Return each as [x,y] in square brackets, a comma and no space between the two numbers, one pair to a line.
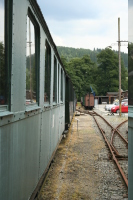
[88,101]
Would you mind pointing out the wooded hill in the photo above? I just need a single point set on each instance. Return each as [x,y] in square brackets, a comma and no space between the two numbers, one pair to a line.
[98,69]
[69,53]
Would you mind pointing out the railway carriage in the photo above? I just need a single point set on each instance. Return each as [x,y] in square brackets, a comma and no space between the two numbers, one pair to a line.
[70,102]
[130,101]
[88,101]
[37,98]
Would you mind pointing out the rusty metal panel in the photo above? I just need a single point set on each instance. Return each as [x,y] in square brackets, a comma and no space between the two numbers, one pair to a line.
[91,100]
[20,144]
[87,100]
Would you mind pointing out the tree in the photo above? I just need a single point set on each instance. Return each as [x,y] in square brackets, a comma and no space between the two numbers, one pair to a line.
[102,76]
[108,70]
[3,80]
[81,73]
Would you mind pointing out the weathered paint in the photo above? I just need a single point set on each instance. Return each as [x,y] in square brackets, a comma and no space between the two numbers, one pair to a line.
[130,152]
[19,166]
[29,134]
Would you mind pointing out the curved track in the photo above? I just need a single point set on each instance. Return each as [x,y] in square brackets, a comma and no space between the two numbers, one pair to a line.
[116,140]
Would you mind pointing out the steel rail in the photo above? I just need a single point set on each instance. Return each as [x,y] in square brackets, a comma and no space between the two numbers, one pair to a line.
[113,148]
[113,128]
[116,129]
[110,146]
[112,137]
[121,124]
[113,155]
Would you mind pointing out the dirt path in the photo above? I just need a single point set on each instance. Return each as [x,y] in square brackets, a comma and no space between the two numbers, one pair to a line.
[81,168]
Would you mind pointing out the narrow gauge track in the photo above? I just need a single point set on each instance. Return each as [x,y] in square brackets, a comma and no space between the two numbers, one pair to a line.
[116,141]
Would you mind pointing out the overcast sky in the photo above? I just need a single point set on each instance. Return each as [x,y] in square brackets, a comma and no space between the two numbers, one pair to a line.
[86,24]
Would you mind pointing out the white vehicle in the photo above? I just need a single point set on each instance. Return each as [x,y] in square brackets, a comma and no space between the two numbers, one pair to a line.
[124,100]
[109,106]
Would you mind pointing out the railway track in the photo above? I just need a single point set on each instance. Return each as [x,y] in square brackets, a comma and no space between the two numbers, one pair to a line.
[116,139]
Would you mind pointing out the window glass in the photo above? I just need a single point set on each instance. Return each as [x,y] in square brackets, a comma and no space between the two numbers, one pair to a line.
[70,92]
[47,78]
[31,78]
[3,68]
[55,81]
[61,85]
[58,83]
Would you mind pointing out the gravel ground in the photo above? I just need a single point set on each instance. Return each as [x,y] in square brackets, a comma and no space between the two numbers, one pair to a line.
[81,168]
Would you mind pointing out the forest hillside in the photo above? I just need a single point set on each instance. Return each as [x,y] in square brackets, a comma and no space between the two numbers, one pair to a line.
[69,53]
[98,69]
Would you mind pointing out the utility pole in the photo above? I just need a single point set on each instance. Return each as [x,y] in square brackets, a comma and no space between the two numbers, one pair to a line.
[119,44]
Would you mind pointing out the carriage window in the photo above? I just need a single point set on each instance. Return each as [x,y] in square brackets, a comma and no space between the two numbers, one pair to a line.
[55,81]
[47,78]
[58,83]
[61,85]
[71,92]
[3,66]
[31,78]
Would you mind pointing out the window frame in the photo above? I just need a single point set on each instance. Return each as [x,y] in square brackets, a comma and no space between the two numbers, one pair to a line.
[55,80]
[61,89]
[37,55]
[8,12]
[58,83]
[47,45]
